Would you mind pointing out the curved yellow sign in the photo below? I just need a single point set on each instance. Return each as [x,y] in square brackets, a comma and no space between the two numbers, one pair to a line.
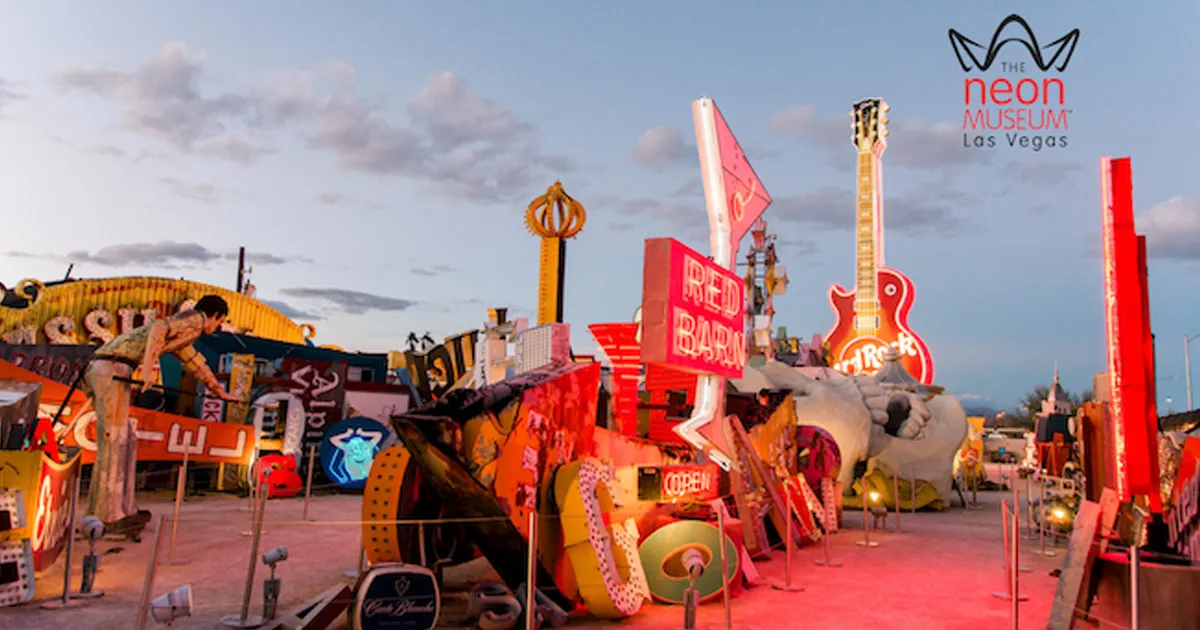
[94,311]
[611,580]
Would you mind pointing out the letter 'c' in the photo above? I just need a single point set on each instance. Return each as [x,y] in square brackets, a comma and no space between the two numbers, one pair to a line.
[611,580]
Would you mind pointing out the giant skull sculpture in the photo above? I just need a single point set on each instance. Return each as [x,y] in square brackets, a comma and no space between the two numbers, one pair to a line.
[871,417]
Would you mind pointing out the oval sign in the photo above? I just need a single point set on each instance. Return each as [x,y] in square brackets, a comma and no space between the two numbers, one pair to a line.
[349,448]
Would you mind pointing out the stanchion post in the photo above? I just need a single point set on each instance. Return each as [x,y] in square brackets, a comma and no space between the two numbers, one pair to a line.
[148,584]
[531,574]
[1042,518]
[66,601]
[1016,517]
[1135,570]
[180,488]
[724,568]
[896,498]
[245,620]
[790,543]
[1029,505]
[312,451]
[866,541]
[913,494]
[1015,562]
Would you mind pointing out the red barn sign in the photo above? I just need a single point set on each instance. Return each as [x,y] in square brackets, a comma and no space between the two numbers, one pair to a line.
[693,311]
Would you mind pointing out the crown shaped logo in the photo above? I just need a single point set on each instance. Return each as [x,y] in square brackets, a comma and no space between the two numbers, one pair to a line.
[1017,31]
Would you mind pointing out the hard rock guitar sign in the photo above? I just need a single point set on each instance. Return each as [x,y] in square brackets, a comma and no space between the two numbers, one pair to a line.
[874,315]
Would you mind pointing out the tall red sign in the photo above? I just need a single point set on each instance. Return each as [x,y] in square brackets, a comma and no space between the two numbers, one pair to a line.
[1130,349]
[619,343]
[693,311]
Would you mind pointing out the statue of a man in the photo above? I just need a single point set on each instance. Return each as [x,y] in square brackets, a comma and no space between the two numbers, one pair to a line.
[107,384]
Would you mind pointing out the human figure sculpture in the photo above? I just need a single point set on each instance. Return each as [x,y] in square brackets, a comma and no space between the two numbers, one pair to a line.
[107,381]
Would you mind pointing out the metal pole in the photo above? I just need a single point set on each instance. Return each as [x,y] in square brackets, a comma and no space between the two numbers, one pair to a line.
[724,568]
[253,503]
[896,498]
[866,541]
[244,620]
[914,493]
[1187,369]
[66,602]
[1015,561]
[1042,518]
[531,574]
[148,584]
[790,545]
[1016,517]
[308,482]
[180,488]
[421,542]
[1135,569]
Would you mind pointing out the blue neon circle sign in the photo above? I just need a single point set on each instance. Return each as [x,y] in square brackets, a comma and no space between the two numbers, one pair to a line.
[349,449]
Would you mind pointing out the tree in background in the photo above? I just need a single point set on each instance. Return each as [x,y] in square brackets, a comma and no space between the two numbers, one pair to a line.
[1031,405]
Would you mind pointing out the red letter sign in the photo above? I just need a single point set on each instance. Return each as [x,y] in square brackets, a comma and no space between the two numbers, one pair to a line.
[693,311]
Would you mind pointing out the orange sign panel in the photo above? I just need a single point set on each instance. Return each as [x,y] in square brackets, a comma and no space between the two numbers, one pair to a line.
[161,436]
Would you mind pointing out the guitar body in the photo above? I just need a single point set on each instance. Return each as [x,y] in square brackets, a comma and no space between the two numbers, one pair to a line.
[853,353]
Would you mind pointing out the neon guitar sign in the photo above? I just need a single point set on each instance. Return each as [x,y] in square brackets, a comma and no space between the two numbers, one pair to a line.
[874,315]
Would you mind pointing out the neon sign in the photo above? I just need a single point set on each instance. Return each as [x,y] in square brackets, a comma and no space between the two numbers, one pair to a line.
[698,483]
[865,354]
[349,449]
[692,311]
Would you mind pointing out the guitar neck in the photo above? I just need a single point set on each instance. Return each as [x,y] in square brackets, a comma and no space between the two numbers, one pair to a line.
[866,301]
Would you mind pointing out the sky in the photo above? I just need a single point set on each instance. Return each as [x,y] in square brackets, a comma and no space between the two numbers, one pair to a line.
[375,159]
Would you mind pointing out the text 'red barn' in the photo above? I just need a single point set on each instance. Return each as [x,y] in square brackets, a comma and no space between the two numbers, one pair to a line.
[693,311]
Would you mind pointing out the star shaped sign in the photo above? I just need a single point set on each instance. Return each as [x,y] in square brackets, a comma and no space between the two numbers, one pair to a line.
[700,430]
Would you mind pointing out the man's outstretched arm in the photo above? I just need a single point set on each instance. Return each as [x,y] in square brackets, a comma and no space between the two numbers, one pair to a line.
[194,364]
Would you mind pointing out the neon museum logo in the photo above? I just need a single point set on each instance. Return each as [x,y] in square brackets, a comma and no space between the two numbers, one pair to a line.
[1030,111]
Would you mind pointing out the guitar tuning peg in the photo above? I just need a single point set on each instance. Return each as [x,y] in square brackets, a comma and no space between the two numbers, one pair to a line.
[884,107]
[883,133]
[883,120]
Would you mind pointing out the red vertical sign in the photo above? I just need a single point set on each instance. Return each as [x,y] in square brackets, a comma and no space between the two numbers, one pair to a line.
[619,343]
[1126,316]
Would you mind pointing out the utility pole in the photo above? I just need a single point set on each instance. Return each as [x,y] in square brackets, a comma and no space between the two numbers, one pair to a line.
[1187,367]
[241,268]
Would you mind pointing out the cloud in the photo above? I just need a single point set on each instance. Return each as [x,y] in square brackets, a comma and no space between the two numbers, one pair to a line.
[912,143]
[162,100]
[663,146]
[796,247]
[202,192]
[686,216]
[930,208]
[1172,229]
[291,312]
[436,270]
[330,198]
[1041,173]
[260,258]
[354,302]
[8,94]
[459,143]
[162,254]
[167,254]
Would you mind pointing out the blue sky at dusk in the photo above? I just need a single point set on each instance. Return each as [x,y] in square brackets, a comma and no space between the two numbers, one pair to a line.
[376,158]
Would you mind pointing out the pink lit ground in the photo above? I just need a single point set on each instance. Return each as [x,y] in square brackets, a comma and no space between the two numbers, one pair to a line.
[940,572]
